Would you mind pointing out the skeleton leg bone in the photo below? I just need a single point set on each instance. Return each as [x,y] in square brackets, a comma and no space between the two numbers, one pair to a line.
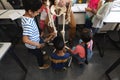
[63,29]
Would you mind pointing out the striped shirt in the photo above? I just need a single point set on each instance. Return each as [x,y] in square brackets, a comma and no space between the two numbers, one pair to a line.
[30,29]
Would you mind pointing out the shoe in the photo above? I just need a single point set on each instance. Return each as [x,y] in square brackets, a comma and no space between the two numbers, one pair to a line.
[44,52]
[50,44]
[45,66]
[64,68]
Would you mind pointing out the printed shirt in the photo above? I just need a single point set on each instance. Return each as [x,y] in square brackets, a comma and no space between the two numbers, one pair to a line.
[44,12]
[30,29]
[80,50]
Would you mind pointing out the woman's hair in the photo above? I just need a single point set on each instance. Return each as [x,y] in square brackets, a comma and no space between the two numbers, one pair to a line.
[58,43]
[32,5]
[86,35]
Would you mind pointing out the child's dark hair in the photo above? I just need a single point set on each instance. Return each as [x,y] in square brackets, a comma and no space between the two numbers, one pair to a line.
[86,36]
[32,5]
[58,43]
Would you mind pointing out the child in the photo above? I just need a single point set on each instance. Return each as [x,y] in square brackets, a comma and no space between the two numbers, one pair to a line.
[83,51]
[44,17]
[59,58]
[31,36]
[44,13]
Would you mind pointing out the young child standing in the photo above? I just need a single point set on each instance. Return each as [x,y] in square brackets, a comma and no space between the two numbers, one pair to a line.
[43,16]
[83,51]
[59,58]
[31,34]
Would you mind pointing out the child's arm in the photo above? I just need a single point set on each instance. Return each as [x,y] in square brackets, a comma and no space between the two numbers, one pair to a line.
[75,51]
[70,50]
[50,37]
[28,41]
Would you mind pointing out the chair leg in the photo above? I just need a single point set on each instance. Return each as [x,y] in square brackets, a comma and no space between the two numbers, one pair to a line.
[100,46]
[70,60]
[112,67]
[100,49]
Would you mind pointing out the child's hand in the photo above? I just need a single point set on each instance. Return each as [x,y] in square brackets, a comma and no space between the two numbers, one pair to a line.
[53,34]
[42,34]
[46,40]
[93,11]
[67,47]
[40,45]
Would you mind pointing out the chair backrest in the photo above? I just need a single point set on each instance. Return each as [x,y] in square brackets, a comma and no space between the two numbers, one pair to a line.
[1,6]
[107,27]
[6,5]
[16,4]
[10,31]
[60,63]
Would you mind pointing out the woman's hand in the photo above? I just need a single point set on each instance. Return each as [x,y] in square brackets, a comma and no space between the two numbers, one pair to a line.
[51,36]
[88,9]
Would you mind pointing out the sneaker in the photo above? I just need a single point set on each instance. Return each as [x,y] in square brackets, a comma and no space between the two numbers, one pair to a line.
[44,52]
[45,66]
[50,44]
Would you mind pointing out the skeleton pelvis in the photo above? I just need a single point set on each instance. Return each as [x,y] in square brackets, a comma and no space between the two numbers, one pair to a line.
[58,11]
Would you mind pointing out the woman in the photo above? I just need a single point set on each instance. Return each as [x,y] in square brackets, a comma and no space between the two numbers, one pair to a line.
[91,10]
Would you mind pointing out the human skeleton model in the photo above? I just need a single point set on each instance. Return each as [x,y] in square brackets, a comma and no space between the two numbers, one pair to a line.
[51,21]
[58,11]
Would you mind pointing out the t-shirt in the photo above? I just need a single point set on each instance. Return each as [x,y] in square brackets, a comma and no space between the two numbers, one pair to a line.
[44,12]
[64,58]
[93,4]
[80,50]
[30,29]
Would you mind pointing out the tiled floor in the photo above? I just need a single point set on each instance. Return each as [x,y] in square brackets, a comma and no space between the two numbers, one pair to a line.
[9,69]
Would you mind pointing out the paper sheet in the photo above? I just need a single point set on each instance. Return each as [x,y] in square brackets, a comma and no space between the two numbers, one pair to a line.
[79,7]
[15,15]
